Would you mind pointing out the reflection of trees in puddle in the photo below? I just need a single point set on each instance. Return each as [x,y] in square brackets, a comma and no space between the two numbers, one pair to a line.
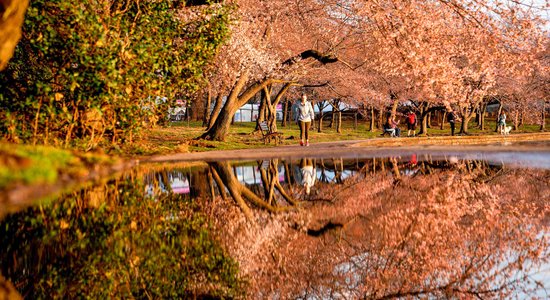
[111,241]
[400,228]
[370,228]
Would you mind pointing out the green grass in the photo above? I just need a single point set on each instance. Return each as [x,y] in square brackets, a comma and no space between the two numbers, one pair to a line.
[26,164]
[180,136]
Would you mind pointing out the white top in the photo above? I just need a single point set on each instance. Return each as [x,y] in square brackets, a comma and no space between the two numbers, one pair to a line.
[308,176]
[305,112]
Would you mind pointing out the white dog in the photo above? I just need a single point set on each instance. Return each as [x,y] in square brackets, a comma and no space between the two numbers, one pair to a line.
[506,130]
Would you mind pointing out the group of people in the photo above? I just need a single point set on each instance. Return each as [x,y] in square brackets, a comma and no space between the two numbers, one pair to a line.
[392,126]
[305,116]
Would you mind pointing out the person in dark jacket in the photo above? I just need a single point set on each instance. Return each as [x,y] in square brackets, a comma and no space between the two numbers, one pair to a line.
[452,118]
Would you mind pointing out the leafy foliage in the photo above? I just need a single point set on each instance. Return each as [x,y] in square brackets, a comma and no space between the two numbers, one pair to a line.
[112,242]
[102,69]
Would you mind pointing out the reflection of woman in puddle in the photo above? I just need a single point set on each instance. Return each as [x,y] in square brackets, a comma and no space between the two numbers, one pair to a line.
[308,173]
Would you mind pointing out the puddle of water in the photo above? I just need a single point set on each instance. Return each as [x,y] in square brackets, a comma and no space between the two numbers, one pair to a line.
[453,225]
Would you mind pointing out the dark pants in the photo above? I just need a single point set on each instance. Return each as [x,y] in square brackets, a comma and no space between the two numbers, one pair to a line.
[452,128]
[304,130]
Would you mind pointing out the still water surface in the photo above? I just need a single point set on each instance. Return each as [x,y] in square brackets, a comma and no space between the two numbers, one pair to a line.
[441,225]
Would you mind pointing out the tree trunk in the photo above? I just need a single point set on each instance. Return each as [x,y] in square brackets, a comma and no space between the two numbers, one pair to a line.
[372,118]
[521,118]
[423,121]
[271,114]
[285,113]
[216,111]
[482,111]
[321,115]
[380,117]
[272,106]
[207,106]
[498,114]
[200,188]
[466,117]
[424,111]
[219,130]
[236,99]
[478,118]
[339,124]
[516,120]
[429,121]
[394,107]
[543,116]
[221,125]
[262,113]
[443,120]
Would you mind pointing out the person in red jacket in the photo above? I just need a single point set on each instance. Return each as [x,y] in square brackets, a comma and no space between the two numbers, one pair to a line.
[411,123]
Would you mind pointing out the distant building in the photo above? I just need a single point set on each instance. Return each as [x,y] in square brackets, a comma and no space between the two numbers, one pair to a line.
[249,113]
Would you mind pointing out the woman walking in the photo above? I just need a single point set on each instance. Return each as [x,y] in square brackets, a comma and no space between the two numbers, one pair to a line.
[304,117]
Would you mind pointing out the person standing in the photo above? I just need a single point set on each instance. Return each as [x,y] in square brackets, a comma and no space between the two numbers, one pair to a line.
[501,122]
[411,123]
[304,116]
[451,117]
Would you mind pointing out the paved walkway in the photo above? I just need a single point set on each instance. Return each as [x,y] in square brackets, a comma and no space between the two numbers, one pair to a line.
[375,147]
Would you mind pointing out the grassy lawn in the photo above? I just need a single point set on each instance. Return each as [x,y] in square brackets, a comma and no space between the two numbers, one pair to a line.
[180,136]
[28,165]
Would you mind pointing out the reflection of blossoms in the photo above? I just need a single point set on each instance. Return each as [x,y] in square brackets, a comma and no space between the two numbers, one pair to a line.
[453,233]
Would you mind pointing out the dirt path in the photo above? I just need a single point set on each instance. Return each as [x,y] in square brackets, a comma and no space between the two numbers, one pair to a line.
[373,147]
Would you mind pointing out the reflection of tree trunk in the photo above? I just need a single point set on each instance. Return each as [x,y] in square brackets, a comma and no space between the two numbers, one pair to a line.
[219,183]
[338,170]
[395,168]
[7,290]
[233,185]
[239,192]
[165,181]
[211,184]
[265,182]
[199,187]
